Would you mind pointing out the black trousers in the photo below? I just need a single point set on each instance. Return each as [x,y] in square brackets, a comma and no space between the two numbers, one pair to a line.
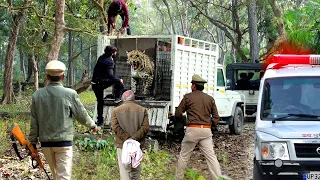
[98,90]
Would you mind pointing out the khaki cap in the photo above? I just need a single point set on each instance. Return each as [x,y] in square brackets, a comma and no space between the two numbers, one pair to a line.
[55,68]
[196,79]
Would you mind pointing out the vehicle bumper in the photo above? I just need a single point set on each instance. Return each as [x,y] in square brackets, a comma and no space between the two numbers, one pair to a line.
[288,169]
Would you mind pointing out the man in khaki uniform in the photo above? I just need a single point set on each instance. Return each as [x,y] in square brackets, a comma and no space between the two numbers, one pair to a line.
[200,108]
[52,110]
[129,121]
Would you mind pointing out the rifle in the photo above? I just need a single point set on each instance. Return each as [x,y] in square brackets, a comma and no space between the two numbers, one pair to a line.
[17,134]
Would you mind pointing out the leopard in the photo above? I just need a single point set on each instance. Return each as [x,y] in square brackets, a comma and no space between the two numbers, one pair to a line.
[142,67]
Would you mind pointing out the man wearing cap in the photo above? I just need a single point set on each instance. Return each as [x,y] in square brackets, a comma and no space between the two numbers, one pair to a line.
[51,124]
[200,108]
[118,7]
[129,121]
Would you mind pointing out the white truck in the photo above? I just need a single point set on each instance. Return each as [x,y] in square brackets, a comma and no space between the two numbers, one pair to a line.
[176,59]
[287,138]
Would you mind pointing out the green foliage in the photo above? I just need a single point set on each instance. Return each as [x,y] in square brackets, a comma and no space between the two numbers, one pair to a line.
[87,97]
[156,165]
[5,124]
[302,25]
[95,165]
[193,175]
[96,144]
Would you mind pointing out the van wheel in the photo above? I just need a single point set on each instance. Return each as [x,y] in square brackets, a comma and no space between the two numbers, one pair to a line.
[257,174]
[237,126]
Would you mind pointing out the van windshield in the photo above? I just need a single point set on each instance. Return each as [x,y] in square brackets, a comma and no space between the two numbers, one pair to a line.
[290,95]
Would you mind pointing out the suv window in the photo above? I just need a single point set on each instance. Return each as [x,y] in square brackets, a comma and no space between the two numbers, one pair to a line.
[220,78]
[285,95]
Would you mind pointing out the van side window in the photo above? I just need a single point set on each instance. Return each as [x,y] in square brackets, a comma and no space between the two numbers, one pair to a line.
[220,78]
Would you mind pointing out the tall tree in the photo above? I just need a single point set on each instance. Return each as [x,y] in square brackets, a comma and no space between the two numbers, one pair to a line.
[18,16]
[59,31]
[253,30]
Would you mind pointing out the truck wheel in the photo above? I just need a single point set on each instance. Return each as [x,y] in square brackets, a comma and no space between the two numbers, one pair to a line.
[257,174]
[237,126]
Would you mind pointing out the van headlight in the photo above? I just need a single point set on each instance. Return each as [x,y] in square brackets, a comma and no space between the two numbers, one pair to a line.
[274,150]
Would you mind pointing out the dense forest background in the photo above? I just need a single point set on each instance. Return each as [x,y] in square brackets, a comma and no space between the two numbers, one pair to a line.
[35,32]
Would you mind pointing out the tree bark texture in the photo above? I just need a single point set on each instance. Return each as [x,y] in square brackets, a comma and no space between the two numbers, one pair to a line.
[59,31]
[83,84]
[35,70]
[70,54]
[278,15]
[253,30]
[8,94]
[22,65]
[170,16]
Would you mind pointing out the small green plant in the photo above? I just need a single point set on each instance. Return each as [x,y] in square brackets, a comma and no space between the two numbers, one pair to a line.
[94,144]
[193,175]
[87,98]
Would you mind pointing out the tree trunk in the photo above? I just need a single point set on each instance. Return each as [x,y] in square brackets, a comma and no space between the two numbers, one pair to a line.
[22,66]
[35,72]
[83,84]
[278,15]
[59,31]
[253,30]
[29,69]
[89,61]
[8,95]
[70,54]
[170,16]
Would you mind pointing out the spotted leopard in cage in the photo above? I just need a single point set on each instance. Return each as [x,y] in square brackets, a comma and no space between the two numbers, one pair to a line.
[142,67]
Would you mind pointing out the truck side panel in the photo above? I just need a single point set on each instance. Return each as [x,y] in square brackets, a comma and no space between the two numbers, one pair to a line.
[191,57]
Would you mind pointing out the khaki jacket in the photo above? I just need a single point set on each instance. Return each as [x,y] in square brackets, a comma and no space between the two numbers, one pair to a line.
[199,107]
[52,110]
[130,120]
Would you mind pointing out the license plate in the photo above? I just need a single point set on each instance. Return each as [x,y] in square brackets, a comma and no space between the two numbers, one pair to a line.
[314,175]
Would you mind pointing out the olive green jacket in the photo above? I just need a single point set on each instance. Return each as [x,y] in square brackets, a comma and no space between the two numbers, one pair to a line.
[51,114]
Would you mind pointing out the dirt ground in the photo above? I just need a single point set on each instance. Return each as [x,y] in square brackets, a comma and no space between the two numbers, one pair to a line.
[234,152]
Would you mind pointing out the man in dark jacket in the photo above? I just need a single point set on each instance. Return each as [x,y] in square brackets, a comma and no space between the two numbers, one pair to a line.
[118,7]
[200,107]
[129,121]
[103,78]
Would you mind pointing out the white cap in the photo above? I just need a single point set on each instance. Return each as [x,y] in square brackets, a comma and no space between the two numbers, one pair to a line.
[55,68]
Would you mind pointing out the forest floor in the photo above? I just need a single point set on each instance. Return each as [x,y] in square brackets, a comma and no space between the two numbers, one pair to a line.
[234,152]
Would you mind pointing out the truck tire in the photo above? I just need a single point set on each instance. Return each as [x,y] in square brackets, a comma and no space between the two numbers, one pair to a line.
[257,174]
[237,125]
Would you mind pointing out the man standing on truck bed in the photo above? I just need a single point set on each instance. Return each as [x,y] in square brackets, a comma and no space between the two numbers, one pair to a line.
[118,7]
[103,78]
[200,107]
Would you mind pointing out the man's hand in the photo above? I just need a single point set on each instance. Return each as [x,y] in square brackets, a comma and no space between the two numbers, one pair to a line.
[121,81]
[95,129]
[34,154]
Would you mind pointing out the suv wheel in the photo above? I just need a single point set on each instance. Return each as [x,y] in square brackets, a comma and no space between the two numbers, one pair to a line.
[237,126]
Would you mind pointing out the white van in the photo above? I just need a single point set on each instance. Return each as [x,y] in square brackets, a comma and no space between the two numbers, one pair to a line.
[287,132]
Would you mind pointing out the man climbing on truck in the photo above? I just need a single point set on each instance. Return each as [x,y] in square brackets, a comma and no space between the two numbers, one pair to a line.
[118,7]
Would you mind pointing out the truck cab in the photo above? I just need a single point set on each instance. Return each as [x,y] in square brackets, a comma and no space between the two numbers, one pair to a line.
[244,78]
[287,138]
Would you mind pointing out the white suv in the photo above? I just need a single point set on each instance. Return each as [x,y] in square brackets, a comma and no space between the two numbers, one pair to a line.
[287,132]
